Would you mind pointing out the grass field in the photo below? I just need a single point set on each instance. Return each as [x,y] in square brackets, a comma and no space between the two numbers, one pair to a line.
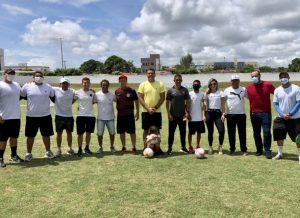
[132,186]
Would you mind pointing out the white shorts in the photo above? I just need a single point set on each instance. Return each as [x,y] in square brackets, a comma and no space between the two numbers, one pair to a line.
[110,124]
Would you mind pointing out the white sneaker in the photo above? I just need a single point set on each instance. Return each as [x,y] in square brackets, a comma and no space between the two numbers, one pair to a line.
[112,149]
[28,157]
[100,150]
[49,155]
[210,150]
[277,157]
[70,151]
[220,150]
[58,153]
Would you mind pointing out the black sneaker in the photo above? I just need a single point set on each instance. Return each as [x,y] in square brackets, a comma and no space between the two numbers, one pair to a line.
[231,153]
[268,154]
[16,159]
[79,153]
[184,150]
[258,153]
[169,151]
[87,151]
[2,164]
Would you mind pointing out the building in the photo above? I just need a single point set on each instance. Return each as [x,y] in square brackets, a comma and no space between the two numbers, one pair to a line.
[223,65]
[152,62]
[23,67]
[1,59]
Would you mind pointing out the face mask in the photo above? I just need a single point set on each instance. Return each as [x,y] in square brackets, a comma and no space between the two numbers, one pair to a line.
[10,77]
[284,81]
[255,79]
[196,87]
[38,79]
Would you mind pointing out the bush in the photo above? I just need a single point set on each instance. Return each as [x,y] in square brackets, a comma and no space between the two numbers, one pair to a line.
[187,71]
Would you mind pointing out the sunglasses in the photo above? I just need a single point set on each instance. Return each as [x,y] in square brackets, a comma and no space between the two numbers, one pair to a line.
[213,84]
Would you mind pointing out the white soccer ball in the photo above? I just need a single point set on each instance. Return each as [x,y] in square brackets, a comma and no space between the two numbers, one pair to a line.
[148,153]
[200,153]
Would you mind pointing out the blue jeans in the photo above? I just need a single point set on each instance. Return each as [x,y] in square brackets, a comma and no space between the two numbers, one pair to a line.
[262,120]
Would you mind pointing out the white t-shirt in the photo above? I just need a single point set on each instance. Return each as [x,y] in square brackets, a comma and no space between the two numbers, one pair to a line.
[196,105]
[214,100]
[10,100]
[287,97]
[105,105]
[38,101]
[235,100]
[86,99]
[63,101]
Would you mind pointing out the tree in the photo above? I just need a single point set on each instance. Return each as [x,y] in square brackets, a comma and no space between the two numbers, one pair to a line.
[247,69]
[186,61]
[266,69]
[282,69]
[115,63]
[91,66]
[295,65]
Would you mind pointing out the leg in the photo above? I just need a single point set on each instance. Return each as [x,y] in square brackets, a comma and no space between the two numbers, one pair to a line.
[46,140]
[256,121]
[221,130]
[69,139]
[241,124]
[190,139]
[112,139]
[182,131]
[231,128]
[123,140]
[30,141]
[133,140]
[210,127]
[100,141]
[13,142]
[87,138]
[80,140]
[59,140]
[172,128]
[198,139]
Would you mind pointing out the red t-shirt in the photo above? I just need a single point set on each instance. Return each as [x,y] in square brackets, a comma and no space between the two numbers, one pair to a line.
[259,96]
[125,101]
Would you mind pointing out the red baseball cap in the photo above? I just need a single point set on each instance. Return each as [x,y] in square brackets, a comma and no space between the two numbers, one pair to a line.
[122,76]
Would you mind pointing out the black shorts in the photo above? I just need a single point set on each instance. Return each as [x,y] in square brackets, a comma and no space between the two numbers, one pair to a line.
[85,124]
[151,120]
[62,123]
[281,127]
[33,124]
[126,124]
[196,126]
[10,129]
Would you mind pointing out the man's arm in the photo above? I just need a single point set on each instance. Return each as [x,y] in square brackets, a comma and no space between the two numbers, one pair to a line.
[168,110]
[142,101]
[161,100]
[137,109]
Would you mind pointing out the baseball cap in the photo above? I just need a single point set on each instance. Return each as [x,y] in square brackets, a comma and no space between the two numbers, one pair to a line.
[64,79]
[122,76]
[235,77]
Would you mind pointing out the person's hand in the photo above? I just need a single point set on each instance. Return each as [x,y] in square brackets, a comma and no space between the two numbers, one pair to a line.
[204,118]
[223,118]
[151,110]
[286,116]
[137,116]
[170,117]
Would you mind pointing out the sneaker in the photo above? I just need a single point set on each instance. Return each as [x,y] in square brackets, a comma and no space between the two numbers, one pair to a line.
[112,149]
[87,151]
[277,157]
[220,150]
[133,150]
[231,153]
[169,151]
[191,149]
[2,164]
[184,150]
[100,150]
[58,153]
[123,150]
[70,151]
[49,155]
[28,157]
[197,146]
[258,153]
[16,159]
[210,150]
[268,154]
[244,153]
[79,152]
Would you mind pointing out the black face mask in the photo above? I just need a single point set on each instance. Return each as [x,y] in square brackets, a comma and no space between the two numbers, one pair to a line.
[196,87]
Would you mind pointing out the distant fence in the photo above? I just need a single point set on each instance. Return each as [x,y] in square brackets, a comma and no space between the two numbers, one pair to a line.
[166,79]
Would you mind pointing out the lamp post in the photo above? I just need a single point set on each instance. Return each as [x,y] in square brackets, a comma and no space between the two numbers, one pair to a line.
[62,55]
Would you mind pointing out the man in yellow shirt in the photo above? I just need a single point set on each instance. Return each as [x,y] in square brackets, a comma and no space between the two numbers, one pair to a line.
[151,96]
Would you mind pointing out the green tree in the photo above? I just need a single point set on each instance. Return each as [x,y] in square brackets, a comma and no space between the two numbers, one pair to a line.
[266,69]
[91,66]
[247,69]
[186,61]
[115,63]
[295,65]
[282,69]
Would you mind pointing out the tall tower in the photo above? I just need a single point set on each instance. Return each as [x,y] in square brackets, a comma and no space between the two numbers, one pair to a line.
[1,59]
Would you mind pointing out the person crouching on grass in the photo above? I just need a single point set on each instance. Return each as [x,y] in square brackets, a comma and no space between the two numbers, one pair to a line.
[153,140]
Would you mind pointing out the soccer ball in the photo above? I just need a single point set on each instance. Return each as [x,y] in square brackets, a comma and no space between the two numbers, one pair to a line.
[148,153]
[200,153]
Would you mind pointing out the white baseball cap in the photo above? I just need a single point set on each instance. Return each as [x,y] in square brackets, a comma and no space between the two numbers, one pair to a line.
[235,77]
[64,79]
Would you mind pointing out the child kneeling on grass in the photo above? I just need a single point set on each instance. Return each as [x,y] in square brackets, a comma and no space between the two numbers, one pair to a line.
[153,140]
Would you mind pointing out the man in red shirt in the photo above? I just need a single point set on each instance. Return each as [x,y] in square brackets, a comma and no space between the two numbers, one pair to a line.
[260,112]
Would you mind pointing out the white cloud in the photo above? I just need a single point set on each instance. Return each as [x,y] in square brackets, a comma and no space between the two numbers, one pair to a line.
[15,10]
[76,3]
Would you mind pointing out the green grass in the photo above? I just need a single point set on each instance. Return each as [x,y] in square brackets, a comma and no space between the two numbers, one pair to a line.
[132,186]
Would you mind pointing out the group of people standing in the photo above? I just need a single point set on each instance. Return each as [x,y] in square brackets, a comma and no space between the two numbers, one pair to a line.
[212,108]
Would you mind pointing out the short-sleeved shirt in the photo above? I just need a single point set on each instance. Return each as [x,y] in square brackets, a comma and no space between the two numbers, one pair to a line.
[86,99]
[125,101]
[38,101]
[259,96]
[177,98]
[63,101]
[235,100]
[214,100]
[287,97]
[151,91]
[196,105]
[105,105]
[10,100]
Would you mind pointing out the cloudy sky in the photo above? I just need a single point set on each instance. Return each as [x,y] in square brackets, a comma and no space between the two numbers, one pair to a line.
[265,31]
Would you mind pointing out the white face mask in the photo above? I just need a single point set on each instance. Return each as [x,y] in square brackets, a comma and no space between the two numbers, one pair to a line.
[284,81]
[10,77]
[38,79]
[255,79]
